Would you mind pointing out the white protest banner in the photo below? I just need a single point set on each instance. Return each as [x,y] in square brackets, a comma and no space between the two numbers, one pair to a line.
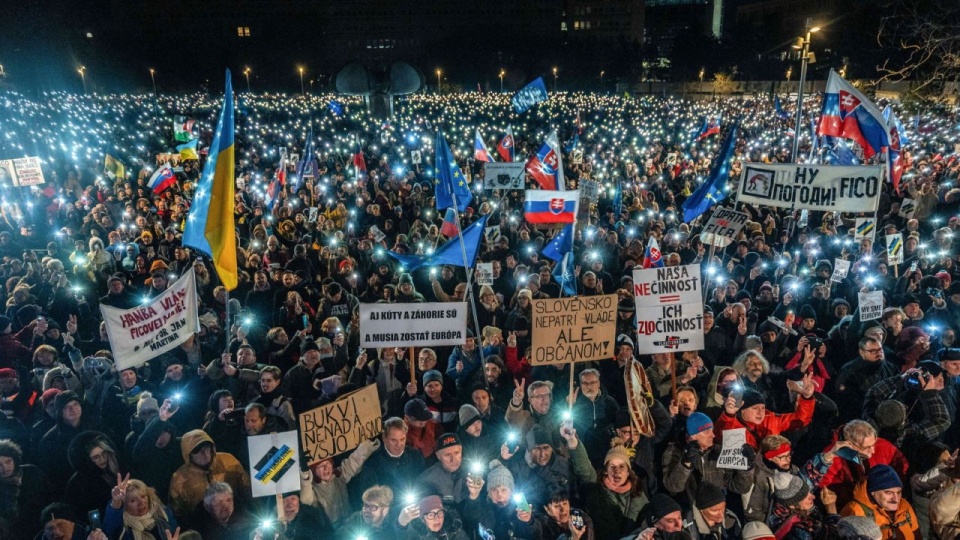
[669,309]
[895,248]
[840,269]
[274,463]
[723,227]
[832,188]
[147,331]
[590,189]
[573,329]
[340,426]
[866,228]
[871,305]
[21,172]
[907,208]
[485,273]
[413,325]
[503,175]
[731,454]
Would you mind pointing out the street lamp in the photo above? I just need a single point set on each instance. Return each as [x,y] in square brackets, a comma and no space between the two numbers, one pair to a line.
[702,72]
[83,78]
[502,73]
[789,73]
[806,58]
[554,80]
[601,78]
[246,73]
[438,80]
[302,90]
[154,81]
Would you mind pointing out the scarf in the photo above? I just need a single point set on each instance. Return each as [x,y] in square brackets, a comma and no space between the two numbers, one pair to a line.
[619,490]
[140,526]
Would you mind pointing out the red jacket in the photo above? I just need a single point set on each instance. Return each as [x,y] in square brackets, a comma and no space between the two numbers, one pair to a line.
[843,475]
[519,368]
[772,424]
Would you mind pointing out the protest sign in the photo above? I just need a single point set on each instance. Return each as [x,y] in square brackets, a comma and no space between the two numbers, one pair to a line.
[669,309]
[378,235]
[576,157]
[529,95]
[21,172]
[723,227]
[895,248]
[832,188]
[865,228]
[503,175]
[413,325]
[274,463]
[485,273]
[840,269]
[416,157]
[312,213]
[871,305]
[492,233]
[731,453]
[340,426]
[907,208]
[149,330]
[573,329]
[590,189]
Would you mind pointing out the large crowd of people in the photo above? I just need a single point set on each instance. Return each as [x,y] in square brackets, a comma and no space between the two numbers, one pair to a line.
[849,425]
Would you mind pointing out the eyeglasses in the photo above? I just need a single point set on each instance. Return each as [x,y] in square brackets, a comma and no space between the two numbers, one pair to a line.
[541,396]
[373,507]
[436,514]
[871,351]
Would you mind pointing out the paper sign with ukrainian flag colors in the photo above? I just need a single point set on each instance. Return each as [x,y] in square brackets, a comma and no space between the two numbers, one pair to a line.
[210,224]
[866,228]
[894,248]
[274,463]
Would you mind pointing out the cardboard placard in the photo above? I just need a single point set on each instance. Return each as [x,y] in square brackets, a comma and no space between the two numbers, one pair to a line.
[413,325]
[724,225]
[871,305]
[731,454]
[669,309]
[274,463]
[574,329]
[341,426]
[840,269]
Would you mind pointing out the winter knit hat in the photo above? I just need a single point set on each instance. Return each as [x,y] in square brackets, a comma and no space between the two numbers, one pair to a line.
[432,375]
[617,451]
[890,414]
[698,423]
[662,505]
[882,477]
[49,395]
[756,530]
[708,496]
[751,397]
[468,415]
[789,489]
[147,404]
[859,528]
[499,476]
[429,504]
[64,398]
[417,409]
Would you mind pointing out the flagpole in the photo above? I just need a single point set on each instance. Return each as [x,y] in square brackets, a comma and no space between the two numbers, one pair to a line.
[466,267]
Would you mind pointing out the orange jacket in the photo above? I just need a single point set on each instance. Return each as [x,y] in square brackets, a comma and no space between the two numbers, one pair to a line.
[772,424]
[903,526]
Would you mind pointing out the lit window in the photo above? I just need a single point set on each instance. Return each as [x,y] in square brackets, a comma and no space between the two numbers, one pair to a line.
[243,31]
[576,25]
[563,26]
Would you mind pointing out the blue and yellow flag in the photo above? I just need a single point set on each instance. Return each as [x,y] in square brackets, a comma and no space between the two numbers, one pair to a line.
[210,225]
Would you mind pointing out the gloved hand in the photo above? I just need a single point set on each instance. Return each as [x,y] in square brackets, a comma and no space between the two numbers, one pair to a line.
[690,454]
[749,453]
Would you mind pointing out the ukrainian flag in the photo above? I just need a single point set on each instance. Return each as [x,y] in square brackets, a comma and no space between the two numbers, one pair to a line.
[210,227]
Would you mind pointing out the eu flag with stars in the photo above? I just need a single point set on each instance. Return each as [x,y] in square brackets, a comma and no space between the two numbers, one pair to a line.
[450,179]
[711,191]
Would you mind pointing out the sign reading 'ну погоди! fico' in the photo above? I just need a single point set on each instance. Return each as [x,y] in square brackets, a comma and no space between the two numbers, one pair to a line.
[413,325]
[669,309]
[829,188]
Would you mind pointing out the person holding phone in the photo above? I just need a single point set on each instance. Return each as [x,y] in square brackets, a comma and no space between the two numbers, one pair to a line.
[430,519]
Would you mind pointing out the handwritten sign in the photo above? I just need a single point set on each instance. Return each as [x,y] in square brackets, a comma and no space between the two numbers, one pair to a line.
[341,426]
[574,329]
[841,268]
[274,463]
[485,273]
[21,172]
[669,309]
[871,305]
[731,454]
[147,331]
[723,227]
[413,325]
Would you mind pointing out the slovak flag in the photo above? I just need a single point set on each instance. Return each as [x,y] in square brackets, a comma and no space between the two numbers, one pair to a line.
[480,152]
[542,206]
[849,114]
[897,140]
[273,194]
[546,167]
[505,148]
[450,227]
[282,170]
[162,178]
[358,160]
[653,258]
[711,127]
